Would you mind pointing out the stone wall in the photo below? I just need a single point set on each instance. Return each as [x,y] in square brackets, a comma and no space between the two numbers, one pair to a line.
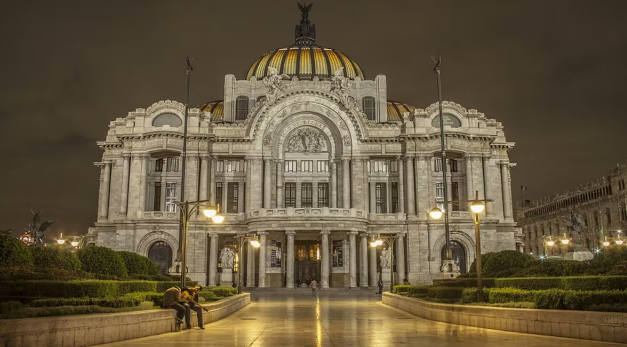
[95,329]
[587,325]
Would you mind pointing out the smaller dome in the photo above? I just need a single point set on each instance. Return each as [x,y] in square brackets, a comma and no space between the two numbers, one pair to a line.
[396,110]
[216,108]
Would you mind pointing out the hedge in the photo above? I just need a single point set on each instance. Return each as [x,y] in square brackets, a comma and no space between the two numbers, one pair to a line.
[445,292]
[463,282]
[102,302]
[554,268]
[29,312]
[222,291]
[102,260]
[55,258]
[566,283]
[502,264]
[411,290]
[469,295]
[79,289]
[13,253]
[138,264]
[154,297]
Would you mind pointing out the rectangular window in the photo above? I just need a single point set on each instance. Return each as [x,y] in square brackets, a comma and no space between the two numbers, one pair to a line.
[219,195]
[455,195]
[437,164]
[380,197]
[173,164]
[378,165]
[338,253]
[232,198]
[275,253]
[220,166]
[290,165]
[439,195]
[157,201]
[159,165]
[393,166]
[306,166]
[244,195]
[394,197]
[452,165]
[306,199]
[170,196]
[290,194]
[323,194]
[323,166]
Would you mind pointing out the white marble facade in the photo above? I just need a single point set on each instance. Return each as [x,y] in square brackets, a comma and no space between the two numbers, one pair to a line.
[303,164]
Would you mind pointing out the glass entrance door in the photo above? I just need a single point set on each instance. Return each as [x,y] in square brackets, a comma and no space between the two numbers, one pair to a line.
[307,255]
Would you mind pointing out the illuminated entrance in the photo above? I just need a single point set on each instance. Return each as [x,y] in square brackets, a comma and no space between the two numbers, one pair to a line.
[307,255]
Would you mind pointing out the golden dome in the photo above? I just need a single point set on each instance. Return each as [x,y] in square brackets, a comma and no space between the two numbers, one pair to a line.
[216,108]
[304,62]
[396,110]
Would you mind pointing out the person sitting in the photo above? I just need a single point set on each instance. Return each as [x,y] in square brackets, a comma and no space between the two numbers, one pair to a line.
[190,295]
[184,301]
[171,299]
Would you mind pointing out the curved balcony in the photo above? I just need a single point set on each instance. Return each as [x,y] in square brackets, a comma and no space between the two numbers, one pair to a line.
[322,213]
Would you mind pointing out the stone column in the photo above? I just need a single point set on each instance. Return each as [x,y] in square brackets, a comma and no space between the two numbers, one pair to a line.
[353,260]
[289,265]
[423,186]
[262,259]
[326,259]
[249,185]
[333,183]
[507,199]
[125,169]
[401,186]
[280,201]
[104,199]
[470,194]
[487,186]
[204,176]
[411,207]
[213,260]
[212,183]
[400,258]
[373,267]
[142,182]
[250,267]
[363,261]
[346,185]
[267,175]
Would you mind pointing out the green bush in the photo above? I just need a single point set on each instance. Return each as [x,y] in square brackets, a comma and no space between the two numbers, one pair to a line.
[505,295]
[10,306]
[502,264]
[529,283]
[138,264]
[154,297]
[445,292]
[102,302]
[222,291]
[207,295]
[605,261]
[102,260]
[163,286]
[28,312]
[463,282]
[549,268]
[469,295]
[566,283]
[75,289]
[14,254]
[401,288]
[55,258]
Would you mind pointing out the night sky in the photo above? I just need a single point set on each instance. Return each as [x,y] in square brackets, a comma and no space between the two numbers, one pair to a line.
[553,72]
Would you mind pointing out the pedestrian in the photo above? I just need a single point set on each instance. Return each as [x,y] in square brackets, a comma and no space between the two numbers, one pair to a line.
[380,284]
[314,285]
[171,299]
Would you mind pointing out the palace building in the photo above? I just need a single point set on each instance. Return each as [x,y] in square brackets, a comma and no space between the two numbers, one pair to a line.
[308,153]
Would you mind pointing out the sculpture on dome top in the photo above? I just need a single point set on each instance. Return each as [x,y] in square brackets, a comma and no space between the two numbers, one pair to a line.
[340,85]
[305,31]
[273,83]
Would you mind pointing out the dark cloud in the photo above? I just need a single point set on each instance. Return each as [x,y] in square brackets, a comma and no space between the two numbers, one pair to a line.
[552,71]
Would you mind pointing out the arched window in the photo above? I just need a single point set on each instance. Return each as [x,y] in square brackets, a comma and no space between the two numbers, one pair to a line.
[167,119]
[241,108]
[596,218]
[608,216]
[368,105]
[458,254]
[623,211]
[161,253]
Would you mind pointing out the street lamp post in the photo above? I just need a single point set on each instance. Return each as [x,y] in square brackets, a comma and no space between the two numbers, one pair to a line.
[186,213]
[389,239]
[254,241]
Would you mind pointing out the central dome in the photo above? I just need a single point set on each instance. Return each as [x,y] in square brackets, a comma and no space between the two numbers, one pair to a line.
[304,59]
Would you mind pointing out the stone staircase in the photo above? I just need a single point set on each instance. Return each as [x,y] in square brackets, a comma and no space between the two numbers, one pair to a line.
[266,292]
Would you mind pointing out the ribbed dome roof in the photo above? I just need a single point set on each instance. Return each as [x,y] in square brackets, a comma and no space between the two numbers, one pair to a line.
[304,62]
[396,110]
[216,108]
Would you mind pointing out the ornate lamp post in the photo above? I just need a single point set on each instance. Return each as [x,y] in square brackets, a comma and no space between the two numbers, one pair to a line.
[254,241]
[186,213]
[389,239]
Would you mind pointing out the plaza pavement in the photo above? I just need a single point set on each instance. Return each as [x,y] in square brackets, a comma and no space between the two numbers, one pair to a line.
[328,321]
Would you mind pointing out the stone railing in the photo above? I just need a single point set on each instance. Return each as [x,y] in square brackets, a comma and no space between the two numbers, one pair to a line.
[95,329]
[460,215]
[586,325]
[158,215]
[306,212]
[384,217]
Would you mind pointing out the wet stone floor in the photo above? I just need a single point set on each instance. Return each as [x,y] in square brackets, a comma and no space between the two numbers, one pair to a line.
[313,321]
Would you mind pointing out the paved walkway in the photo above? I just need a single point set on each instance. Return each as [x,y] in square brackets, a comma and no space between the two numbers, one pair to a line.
[302,321]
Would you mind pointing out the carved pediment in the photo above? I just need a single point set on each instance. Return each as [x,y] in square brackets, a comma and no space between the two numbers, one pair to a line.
[306,140]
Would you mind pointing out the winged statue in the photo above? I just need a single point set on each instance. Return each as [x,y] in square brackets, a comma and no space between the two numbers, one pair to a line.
[273,82]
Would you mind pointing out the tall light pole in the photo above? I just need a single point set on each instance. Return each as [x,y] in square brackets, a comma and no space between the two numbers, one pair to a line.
[180,253]
[254,241]
[477,208]
[446,266]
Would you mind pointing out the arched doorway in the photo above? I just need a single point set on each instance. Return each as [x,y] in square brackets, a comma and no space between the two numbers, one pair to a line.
[459,255]
[161,253]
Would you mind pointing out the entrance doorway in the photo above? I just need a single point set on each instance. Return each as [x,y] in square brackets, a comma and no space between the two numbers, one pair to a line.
[307,255]
[458,254]
[161,253]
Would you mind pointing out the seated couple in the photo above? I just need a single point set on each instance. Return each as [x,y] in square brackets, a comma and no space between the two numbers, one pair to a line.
[183,301]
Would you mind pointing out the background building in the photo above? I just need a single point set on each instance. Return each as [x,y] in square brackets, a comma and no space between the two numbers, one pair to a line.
[599,206]
[309,154]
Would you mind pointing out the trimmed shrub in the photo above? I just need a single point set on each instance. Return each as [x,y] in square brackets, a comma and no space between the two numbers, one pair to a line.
[75,289]
[154,297]
[401,288]
[445,292]
[163,286]
[469,295]
[14,254]
[10,306]
[102,260]
[55,258]
[207,295]
[548,268]
[505,295]
[606,260]
[138,264]
[463,282]
[28,312]
[102,302]
[529,283]
[502,264]
[566,283]
[222,291]
[418,291]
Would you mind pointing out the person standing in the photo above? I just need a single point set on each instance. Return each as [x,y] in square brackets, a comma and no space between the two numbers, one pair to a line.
[380,284]
[314,285]
[171,299]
